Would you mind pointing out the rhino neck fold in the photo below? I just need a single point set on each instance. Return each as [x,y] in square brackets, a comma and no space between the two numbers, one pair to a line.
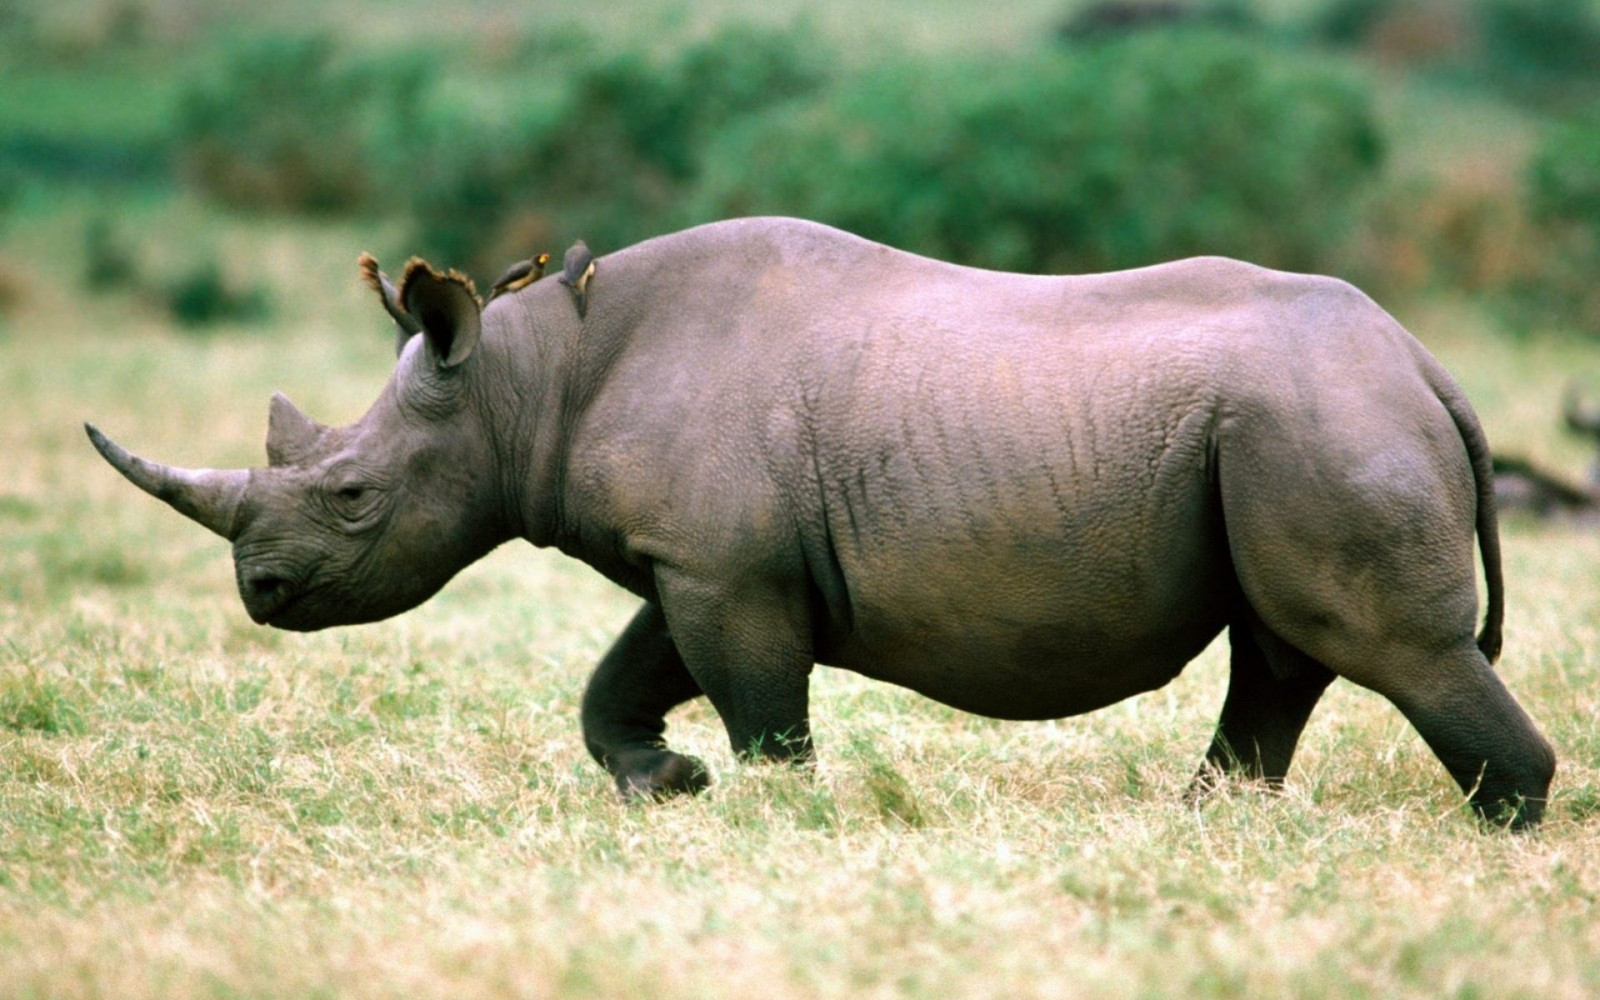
[550,368]
[523,357]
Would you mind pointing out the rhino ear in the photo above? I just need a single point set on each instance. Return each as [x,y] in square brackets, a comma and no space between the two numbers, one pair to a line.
[290,433]
[405,325]
[448,308]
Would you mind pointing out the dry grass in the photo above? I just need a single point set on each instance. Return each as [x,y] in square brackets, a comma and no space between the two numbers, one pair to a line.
[194,807]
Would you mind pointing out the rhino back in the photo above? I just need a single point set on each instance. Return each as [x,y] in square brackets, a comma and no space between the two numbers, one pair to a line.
[958,466]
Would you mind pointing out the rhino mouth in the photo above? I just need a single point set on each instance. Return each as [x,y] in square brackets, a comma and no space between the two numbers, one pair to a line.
[268,595]
[284,603]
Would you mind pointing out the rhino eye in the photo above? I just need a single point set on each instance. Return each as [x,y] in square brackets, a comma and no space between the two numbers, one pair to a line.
[352,500]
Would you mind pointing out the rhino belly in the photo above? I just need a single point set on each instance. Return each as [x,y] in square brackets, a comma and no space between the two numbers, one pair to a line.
[1023,584]
[1031,669]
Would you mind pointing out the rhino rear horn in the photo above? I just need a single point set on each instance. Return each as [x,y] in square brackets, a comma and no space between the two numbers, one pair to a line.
[210,497]
[290,433]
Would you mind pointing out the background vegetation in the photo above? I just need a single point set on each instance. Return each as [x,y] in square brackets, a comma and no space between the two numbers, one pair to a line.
[191,806]
[1410,145]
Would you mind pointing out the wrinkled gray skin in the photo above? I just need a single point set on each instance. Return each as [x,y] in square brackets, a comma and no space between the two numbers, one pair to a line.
[1026,497]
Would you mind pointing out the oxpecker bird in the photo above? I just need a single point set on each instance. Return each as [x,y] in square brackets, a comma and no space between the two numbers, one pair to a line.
[577,268]
[519,276]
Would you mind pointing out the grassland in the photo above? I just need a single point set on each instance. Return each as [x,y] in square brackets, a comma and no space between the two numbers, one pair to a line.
[195,807]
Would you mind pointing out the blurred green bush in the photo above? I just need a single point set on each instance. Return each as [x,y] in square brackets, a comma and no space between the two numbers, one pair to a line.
[1543,47]
[1209,129]
[11,285]
[1563,183]
[1153,146]
[203,296]
[1541,52]
[294,123]
[1134,149]
[1348,22]
[1564,177]
[616,157]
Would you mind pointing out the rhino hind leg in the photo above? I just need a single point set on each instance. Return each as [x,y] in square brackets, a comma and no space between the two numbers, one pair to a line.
[1272,689]
[1411,646]
[1402,626]
[638,681]
[1418,650]
[1481,735]
[1367,566]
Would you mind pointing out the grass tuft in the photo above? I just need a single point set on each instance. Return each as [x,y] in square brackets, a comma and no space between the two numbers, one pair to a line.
[885,788]
[33,702]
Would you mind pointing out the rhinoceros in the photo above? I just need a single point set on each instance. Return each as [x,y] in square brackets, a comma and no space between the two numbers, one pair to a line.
[1027,497]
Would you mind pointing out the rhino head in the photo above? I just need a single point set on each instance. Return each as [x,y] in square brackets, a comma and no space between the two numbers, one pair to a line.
[358,523]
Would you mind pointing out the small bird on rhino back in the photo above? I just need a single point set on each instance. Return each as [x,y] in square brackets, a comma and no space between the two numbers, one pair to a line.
[1024,496]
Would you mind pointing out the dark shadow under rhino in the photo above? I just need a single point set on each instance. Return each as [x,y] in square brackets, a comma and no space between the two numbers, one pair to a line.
[1027,497]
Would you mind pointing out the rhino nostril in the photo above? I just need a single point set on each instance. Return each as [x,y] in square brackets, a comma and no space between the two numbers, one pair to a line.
[266,594]
[265,591]
[265,584]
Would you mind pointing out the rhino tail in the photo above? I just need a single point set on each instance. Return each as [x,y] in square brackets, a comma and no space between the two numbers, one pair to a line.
[1477,444]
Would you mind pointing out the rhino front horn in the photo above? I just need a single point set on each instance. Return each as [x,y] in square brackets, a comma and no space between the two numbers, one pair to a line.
[209,496]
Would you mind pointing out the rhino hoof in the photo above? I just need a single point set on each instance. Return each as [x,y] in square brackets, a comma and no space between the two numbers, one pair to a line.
[661,774]
[1517,814]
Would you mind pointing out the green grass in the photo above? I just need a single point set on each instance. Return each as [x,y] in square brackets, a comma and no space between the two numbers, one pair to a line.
[192,806]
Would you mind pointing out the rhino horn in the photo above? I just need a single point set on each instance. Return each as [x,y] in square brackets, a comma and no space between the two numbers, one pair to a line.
[209,496]
[290,433]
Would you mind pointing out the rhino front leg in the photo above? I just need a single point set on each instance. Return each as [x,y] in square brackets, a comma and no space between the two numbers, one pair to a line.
[625,706]
[749,649]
